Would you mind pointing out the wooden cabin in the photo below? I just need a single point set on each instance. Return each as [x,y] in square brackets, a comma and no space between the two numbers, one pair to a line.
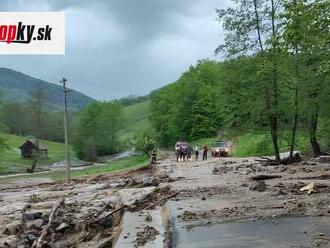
[30,146]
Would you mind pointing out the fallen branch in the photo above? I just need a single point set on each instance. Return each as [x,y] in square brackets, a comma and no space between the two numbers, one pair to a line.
[40,241]
[265,158]
[268,162]
[159,201]
[264,177]
[261,160]
[320,177]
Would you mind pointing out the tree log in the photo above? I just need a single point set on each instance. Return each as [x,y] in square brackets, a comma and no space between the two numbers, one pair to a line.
[159,201]
[40,241]
[264,177]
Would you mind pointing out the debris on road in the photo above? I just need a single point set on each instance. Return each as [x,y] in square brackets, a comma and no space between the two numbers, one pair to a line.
[147,234]
[221,170]
[264,177]
[41,240]
[258,186]
[310,188]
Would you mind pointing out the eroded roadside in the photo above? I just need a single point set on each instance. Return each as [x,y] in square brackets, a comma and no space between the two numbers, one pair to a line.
[175,205]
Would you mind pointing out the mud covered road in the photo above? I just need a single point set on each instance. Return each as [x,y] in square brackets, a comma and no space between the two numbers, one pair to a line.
[227,202]
[219,205]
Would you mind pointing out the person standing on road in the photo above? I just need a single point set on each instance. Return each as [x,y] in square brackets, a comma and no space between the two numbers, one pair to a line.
[177,148]
[189,153]
[153,156]
[205,149]
[196,153]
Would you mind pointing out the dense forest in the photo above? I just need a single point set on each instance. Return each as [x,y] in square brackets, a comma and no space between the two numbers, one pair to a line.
[275,79]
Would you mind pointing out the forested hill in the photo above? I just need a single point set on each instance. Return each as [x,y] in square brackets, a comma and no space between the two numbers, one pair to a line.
[18,87]
[227,99]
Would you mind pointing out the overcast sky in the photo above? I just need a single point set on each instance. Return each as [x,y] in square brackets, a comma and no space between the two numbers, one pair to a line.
[116,48]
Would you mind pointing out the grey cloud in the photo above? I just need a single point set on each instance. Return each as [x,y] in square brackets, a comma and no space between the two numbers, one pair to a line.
[121,47]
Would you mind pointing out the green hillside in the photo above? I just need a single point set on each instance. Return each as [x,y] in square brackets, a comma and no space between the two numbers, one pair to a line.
[11,161]
[135,120]
[18,87]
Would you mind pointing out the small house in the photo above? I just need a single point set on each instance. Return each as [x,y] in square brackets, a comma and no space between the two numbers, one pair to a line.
[31,146]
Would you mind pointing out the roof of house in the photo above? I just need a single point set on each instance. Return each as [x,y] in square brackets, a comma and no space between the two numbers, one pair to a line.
[34,142]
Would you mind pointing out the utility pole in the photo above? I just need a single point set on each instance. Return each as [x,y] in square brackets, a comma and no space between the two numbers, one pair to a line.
[67,154]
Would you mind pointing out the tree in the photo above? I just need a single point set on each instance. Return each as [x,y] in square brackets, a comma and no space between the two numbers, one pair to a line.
[242,23]
[36,106]
[188,109]
[14,115]
[144,143]
[20,120]
[3,129]
[316,45]
[164,115]
[95,130]
[205,121]
[293,33]
[307,35]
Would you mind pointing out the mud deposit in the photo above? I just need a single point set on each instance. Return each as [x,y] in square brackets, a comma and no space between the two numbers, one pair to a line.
[227,202]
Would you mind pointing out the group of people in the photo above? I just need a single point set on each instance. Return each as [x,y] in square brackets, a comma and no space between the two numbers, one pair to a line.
[184,151]
[204,151]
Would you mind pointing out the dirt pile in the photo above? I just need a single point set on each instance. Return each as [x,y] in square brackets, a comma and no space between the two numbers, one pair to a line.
[221,170]
[147,234]
[157,198]
[89,215]
[258,186]
[66,227]
[206,191]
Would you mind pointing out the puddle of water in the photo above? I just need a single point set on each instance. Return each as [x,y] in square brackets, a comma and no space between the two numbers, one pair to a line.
[276,233]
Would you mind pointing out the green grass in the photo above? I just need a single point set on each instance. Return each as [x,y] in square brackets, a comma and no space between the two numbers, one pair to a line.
[135,120]
[259,144]
[11,161]
[253,144]
[118,165]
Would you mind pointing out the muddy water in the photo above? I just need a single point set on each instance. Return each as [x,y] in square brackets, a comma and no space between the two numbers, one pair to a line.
[282,232]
